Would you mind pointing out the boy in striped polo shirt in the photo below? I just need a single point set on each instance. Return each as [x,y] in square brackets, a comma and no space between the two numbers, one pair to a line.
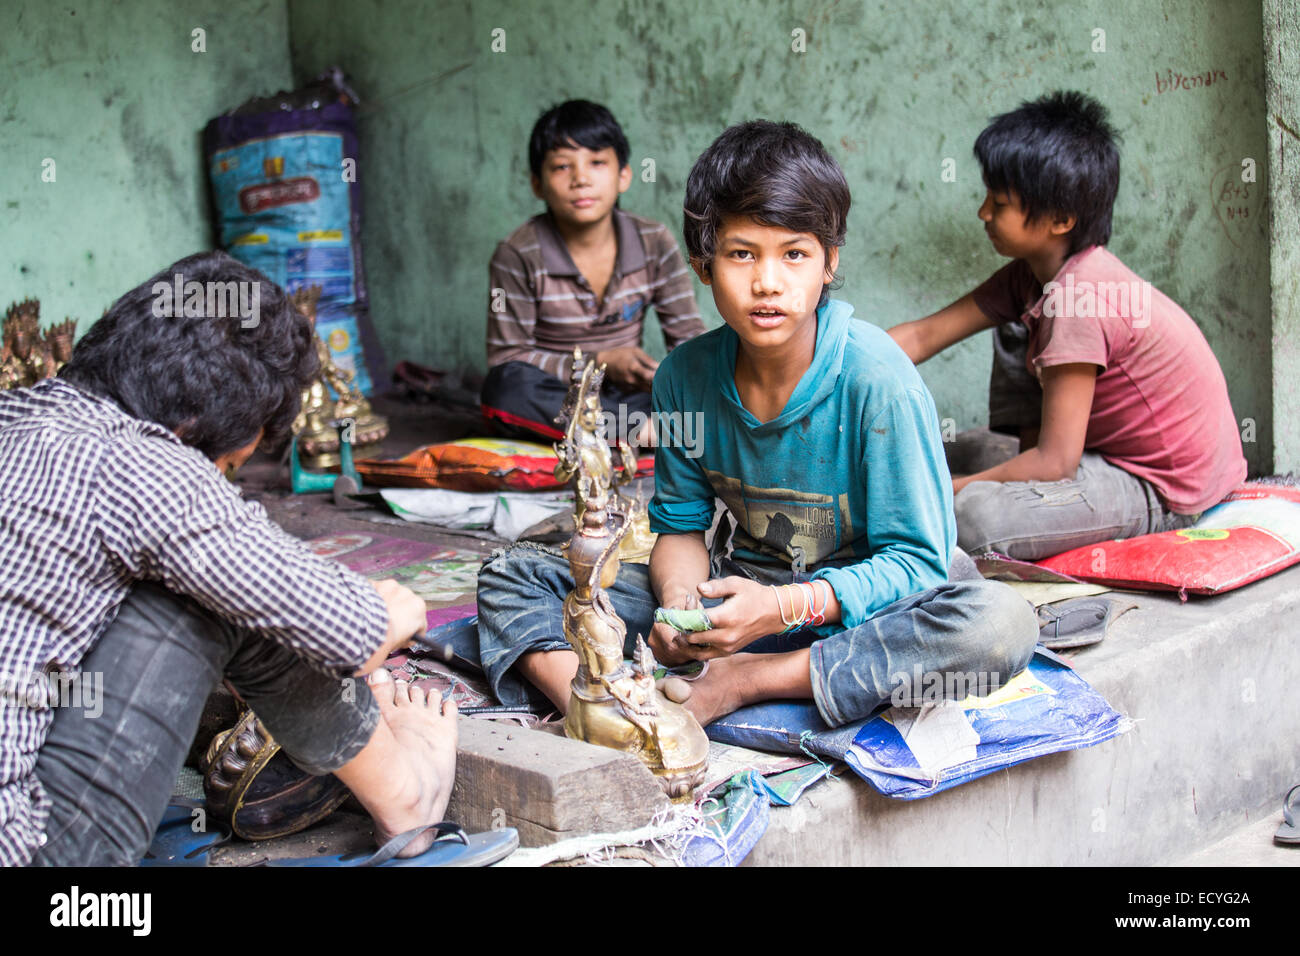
[583,274]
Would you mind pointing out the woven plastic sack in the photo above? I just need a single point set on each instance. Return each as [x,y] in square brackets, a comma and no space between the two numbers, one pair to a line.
[907,753]
[283,171]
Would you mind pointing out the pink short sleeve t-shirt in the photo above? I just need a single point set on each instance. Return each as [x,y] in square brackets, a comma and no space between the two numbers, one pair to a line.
[1160,409]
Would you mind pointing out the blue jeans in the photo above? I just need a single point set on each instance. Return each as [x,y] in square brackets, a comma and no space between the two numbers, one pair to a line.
[109,777]
[969,626]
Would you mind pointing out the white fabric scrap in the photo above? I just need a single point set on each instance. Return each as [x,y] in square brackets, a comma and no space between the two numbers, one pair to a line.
[507,513]
[666,836]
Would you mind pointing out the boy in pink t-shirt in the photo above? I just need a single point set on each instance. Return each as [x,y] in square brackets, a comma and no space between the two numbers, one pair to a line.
[1121,408]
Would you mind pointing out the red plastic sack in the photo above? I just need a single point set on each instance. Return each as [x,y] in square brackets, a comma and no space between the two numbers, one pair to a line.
[473,464]
[1253,533]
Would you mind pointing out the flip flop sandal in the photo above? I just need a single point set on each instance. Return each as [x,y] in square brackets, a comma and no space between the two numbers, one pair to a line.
[177,843]
[1288,834]
[692,678]
[1078,622]
[453,847]
[662,684]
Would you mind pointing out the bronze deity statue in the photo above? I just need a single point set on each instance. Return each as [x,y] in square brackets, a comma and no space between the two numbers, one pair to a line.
[26,354]
[613,704]
[315,428]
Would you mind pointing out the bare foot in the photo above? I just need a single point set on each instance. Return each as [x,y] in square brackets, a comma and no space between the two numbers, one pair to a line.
[552,672]
[724,687]
[424,731]
[675,689]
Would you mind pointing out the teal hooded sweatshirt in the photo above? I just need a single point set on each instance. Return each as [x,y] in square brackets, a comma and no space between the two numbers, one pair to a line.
[849,480]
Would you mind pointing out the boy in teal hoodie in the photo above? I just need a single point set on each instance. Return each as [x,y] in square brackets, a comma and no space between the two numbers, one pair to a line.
[823,444]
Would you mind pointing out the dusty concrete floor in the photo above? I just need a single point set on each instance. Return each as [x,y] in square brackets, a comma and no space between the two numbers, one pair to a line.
[1249,846]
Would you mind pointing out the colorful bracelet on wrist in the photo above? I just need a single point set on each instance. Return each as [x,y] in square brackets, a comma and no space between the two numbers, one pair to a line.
[809,612]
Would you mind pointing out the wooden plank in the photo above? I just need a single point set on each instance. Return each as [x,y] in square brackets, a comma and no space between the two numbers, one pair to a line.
[548,787]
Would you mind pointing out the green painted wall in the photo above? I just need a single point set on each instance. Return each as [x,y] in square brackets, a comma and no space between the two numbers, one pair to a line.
[891,89]
[114,94]
[1282,66]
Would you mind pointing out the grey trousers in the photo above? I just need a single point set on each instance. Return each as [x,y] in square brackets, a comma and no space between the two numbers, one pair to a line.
[110,775]
[1029,520]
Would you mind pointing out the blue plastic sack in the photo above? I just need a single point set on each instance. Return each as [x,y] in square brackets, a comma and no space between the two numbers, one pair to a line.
[288,203]
[1066,714]
[1047,708]
[784,726]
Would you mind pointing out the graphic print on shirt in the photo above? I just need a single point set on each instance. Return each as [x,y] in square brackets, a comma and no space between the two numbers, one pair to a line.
[776,521]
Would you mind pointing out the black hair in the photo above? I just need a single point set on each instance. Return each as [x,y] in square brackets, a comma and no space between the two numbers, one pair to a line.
[214,379]
[1059,154]
[774,173]
[575,123]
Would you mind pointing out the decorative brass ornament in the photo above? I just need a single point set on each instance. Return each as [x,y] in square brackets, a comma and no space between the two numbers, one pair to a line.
[639,540]
[250,783]
[612,704]
[318,435]
[27,355]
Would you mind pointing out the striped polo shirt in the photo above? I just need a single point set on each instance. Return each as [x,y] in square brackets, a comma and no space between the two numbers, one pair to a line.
[93,500]
[540,306]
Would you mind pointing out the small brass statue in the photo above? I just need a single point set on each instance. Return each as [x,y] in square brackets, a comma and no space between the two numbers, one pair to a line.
[318,436]
[613,704]
[58,340]
[27,355]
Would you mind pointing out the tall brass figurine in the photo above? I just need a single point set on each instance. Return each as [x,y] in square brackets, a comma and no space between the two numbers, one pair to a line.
[318,438]
[612,704]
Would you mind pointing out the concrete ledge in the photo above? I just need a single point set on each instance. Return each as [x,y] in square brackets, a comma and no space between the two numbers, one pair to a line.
[1212,686]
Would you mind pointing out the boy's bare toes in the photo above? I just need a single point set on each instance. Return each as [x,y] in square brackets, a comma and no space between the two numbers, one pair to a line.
[676,689]
[402,694]
[382,686]
[416,694]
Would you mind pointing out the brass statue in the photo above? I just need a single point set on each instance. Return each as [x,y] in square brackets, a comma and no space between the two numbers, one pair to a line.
[27,355]
[639,540]
[613,704]
[58,340]
[318,436]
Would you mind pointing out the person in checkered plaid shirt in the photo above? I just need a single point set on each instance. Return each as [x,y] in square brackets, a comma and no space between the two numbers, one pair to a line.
[134,577]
